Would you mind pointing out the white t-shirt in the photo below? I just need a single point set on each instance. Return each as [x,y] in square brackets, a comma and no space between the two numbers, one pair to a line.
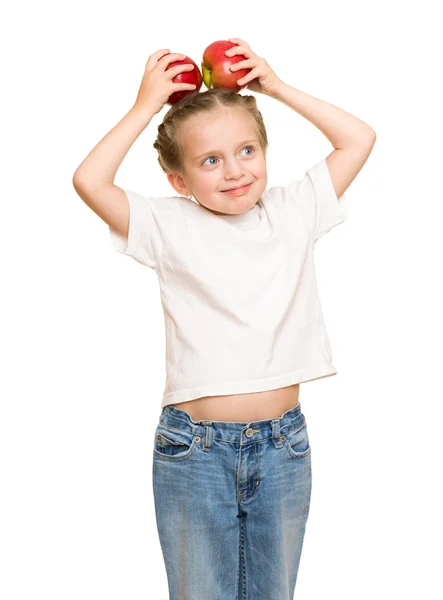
[239,292]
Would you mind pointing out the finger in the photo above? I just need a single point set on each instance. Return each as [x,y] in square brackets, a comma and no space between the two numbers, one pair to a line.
[172,57]
[243,64]
[249,77]
[184,86]
[173,71]
[160,52]
[157,55]
[238,50]
[239,41]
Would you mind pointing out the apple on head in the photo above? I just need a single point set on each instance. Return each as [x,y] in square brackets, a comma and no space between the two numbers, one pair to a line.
[193,77]
[216,66]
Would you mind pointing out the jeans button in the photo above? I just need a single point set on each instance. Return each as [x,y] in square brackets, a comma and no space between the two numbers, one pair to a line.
[249,432]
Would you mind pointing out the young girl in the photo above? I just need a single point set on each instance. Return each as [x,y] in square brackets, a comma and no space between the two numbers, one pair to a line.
[244,326]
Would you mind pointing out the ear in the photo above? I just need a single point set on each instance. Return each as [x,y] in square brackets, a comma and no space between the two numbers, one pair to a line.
[177,182]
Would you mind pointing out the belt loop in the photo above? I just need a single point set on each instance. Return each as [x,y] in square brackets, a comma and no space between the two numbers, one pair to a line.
[275,424]
[208,440]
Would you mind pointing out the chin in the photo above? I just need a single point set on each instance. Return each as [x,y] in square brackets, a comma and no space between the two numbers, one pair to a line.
[233,206]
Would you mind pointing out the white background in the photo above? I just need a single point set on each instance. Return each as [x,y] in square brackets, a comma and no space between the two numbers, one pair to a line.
[82,331]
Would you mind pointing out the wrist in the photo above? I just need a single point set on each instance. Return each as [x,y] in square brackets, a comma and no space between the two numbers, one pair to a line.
[144,112]
[278,89]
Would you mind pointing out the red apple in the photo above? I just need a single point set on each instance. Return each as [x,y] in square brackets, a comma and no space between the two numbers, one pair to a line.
[215,66]
[193,77]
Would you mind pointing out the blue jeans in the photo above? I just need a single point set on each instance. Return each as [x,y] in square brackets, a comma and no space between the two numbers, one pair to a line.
[231,502]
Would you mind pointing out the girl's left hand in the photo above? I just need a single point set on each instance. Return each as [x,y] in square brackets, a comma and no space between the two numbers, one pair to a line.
[261,78]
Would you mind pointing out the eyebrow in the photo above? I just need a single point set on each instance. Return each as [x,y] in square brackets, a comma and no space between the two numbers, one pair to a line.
[209,152]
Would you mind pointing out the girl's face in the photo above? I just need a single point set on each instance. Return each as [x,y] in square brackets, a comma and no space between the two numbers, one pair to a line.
[221,151]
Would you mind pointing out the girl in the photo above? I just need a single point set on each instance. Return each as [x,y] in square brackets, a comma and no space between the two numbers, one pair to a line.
[244,326]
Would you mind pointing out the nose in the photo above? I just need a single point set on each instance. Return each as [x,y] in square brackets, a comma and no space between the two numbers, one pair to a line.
[233,169]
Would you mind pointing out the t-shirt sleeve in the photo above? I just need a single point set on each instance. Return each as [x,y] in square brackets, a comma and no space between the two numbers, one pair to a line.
[140,244]
[315,199]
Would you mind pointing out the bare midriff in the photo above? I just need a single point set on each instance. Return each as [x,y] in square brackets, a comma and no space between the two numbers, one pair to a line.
[256,406]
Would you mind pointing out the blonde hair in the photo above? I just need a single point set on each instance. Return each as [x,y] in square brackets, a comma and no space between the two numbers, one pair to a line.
[170,152]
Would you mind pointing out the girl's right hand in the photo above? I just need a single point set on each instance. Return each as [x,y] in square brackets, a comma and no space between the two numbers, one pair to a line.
[157,85]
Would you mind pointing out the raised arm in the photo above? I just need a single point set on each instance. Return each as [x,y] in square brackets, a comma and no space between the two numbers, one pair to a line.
[94,178]
[352,138]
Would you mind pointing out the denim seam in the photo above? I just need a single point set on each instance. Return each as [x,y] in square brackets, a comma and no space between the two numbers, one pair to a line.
[296,455]
[255,442]
[175,458]
[169,428]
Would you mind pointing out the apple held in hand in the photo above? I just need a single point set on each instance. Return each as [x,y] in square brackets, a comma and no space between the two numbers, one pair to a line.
[216,66]
[193,77]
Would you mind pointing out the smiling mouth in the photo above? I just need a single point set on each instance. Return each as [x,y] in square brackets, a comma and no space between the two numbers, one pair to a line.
[238,189]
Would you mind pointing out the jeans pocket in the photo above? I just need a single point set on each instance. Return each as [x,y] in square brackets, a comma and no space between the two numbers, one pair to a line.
[173,444]
[297,443]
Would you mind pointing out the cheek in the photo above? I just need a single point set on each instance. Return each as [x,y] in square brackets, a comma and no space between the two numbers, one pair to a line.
[263,171]
[207,182]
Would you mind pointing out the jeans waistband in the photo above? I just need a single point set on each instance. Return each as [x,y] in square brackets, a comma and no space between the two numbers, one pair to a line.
[233,431]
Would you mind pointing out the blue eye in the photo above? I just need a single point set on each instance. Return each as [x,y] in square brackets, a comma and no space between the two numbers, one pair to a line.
[250,147]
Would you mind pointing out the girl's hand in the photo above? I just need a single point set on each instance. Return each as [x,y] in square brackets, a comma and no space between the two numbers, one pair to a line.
[261,78]
[157,86]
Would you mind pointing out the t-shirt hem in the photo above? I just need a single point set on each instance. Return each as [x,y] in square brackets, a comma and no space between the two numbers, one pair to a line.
[256,385]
